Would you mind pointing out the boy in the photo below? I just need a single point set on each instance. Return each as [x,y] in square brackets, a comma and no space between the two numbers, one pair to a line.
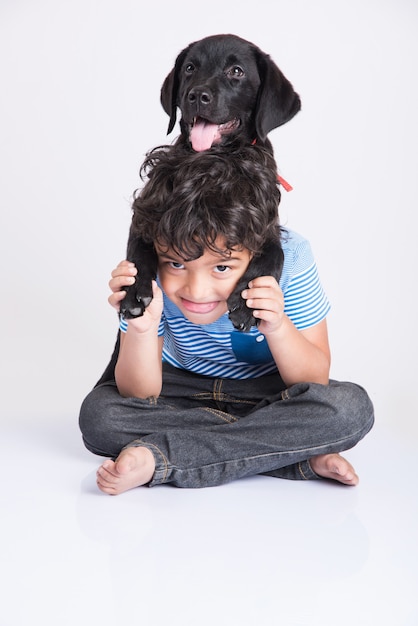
[193,401]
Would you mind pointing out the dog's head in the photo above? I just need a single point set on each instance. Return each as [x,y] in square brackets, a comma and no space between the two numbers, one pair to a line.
[227,89]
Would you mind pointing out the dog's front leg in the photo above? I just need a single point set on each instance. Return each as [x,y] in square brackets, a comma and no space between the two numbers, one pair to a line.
[139,295]
[268,263]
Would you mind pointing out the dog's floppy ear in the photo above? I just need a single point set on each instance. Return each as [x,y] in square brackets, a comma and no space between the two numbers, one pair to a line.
[277,101]
[170,88]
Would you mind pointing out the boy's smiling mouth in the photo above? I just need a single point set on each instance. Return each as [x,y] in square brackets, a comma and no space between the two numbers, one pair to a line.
[199,307]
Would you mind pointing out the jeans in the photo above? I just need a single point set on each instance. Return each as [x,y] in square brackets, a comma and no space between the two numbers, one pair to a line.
[205,431]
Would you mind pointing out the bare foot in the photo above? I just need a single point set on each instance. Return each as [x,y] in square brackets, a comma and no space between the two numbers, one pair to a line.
[334,466]
[134,467]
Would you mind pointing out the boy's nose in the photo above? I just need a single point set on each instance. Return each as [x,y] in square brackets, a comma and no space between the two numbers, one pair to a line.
[197,289]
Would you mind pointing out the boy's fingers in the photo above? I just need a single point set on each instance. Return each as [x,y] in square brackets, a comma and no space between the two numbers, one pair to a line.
[115,299]
[124,271]
[263,281]
[264,305]
[119,282]
[262,294]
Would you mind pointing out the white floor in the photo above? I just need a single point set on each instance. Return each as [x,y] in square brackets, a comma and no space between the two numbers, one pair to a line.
[255,552]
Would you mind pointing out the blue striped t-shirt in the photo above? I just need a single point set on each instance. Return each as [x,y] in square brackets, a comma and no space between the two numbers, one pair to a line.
[218,350]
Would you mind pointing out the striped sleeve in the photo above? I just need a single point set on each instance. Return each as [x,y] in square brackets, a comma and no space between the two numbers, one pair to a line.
[123,324]
[305,301]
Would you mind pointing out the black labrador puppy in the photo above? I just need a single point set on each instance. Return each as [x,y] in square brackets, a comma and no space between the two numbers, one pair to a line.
[229,94]
[227,89]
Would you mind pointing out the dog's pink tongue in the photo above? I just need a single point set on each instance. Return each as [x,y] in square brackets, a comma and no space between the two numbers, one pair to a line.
[203,134]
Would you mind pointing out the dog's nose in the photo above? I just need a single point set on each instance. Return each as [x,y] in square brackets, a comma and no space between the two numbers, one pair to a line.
[199,96]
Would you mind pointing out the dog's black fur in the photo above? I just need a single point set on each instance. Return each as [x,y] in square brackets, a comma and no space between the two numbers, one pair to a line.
[230,82]
[230,95]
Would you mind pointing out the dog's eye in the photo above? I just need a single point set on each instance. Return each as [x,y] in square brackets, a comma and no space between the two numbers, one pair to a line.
[189,68]
[236,71]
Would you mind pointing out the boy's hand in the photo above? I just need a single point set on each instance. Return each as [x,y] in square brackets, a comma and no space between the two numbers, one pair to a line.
[123,276]
[266,298]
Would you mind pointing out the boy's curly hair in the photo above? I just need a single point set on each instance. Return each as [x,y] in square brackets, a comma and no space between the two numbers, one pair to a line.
[190,201]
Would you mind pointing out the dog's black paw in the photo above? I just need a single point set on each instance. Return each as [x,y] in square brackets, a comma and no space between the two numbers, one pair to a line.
[137,298]
[240,314]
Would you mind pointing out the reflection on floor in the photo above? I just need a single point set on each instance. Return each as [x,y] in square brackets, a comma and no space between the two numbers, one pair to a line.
[260,551]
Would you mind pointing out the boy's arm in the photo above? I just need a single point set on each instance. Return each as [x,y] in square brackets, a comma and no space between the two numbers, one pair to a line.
[138,371]
[300,355]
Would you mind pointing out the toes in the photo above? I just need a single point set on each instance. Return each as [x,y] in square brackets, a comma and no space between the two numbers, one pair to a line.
[107,471]
[335,467]
[106,486]
[345,475]
[133,468]
[106,479]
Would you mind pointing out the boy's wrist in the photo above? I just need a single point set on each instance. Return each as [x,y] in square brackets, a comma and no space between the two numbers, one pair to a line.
[134,327]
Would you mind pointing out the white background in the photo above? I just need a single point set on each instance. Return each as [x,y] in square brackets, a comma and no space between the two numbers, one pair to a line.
[80,84]
[79,108]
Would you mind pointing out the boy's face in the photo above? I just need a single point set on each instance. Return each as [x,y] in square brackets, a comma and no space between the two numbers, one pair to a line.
[200,288]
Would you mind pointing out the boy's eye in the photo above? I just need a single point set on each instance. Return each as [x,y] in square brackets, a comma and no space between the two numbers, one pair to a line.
[176,265]
[221,268]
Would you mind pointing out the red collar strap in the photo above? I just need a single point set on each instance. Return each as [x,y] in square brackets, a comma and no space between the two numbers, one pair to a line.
[287,186]
[284,183]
